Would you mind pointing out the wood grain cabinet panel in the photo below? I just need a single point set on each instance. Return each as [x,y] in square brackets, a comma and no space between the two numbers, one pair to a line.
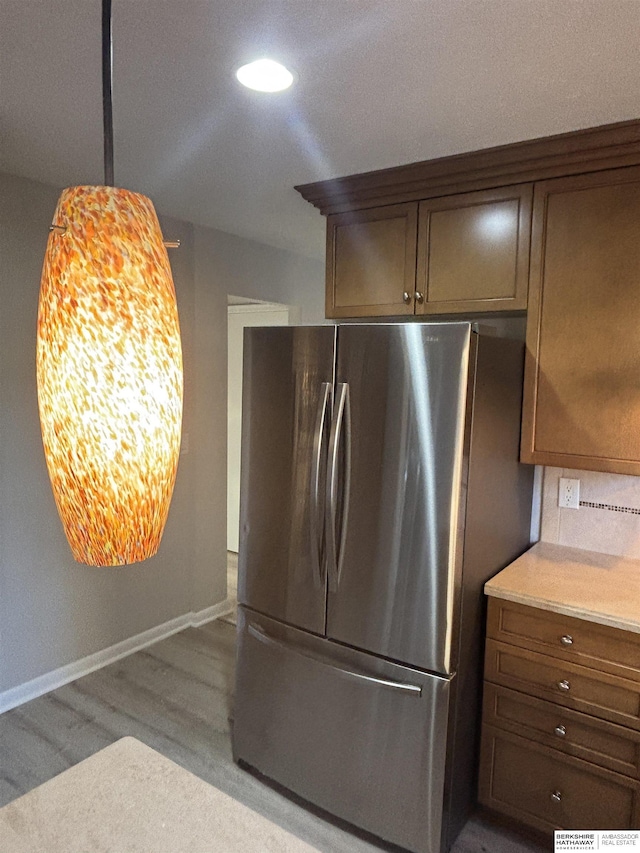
[371,262]
[561,720]
[603,695]
[473,251]
[572,732]
[566,638]
[550,791]
[582,395]
[465,253]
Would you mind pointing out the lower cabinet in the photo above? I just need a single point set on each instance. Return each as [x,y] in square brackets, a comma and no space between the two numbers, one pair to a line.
[561,721]
[548,790]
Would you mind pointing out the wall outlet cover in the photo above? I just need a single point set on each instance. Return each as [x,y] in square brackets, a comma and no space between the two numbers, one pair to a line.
[569,493]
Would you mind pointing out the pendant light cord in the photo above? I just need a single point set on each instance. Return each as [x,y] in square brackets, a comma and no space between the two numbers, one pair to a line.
[107,85]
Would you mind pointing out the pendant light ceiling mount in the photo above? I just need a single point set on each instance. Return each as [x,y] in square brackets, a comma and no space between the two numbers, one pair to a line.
[107,91]
[109,364]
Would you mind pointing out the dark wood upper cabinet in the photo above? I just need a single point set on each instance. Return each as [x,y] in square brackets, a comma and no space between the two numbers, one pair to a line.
[550,226]
[459,254]
[473,251]
[468,252]
[582,377]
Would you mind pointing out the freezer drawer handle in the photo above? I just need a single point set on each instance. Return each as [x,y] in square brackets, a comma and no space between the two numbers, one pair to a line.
[335,552]
[403,687]
[316,510]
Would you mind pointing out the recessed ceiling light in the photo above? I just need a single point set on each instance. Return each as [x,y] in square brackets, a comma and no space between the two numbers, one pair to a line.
[265,75]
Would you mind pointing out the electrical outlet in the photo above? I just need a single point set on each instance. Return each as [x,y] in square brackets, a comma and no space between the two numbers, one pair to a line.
[569,493]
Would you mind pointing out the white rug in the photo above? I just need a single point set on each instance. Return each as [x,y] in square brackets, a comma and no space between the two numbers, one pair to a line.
[128,798]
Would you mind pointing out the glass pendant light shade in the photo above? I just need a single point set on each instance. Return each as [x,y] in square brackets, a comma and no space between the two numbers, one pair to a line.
[109,374]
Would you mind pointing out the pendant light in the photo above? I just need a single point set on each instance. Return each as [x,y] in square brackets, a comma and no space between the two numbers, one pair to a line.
[109,364]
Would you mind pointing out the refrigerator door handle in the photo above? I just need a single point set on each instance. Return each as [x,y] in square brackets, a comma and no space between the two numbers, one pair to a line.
[316,510]
[401,686]
[335,552]
[346,491]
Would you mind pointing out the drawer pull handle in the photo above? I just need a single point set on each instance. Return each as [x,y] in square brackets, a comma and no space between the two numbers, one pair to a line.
[564,685]
[567,640]
[560,731]
[556,796]
[419,297]
[406,298]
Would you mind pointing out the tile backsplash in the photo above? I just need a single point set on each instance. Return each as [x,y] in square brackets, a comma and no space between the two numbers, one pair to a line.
[611,528]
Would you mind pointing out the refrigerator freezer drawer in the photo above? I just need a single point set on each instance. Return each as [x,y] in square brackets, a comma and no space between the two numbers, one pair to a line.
[363,738]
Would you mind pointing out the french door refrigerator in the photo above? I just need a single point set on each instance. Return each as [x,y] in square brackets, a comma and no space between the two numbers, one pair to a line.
[380,488]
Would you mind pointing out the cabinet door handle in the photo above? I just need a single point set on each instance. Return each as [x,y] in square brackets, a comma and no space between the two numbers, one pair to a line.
[564,685]
[560,731]
[567,640]
[406,297]
[556,796]
[419,297]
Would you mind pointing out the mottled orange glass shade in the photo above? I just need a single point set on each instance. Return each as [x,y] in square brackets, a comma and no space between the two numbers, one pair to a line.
[109,370]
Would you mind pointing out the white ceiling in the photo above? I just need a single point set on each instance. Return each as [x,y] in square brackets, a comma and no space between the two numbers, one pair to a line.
[379,83]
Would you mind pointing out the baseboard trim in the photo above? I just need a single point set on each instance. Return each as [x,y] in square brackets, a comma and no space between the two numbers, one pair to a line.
[217,611]
[16,696]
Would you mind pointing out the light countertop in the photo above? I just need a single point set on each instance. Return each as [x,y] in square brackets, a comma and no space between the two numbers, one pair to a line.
[598,587]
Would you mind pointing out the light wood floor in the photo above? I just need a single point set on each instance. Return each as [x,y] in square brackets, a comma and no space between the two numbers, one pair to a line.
[176,697]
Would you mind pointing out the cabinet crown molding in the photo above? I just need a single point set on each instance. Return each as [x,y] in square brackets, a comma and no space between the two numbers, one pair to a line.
[587,150]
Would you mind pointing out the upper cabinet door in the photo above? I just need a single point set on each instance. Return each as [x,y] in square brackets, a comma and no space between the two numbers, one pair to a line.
[582,376]
[371,261]
[473,251]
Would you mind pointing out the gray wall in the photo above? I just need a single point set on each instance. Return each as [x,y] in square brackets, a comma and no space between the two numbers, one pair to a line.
[54,611]
[226,264]
[246,268]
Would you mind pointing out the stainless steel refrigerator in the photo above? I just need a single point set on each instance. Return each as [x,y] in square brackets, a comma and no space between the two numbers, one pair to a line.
[380,488]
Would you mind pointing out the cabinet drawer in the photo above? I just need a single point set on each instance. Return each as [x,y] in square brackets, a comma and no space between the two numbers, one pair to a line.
[599,693]
[572,732]
[547,791]
[586,643]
